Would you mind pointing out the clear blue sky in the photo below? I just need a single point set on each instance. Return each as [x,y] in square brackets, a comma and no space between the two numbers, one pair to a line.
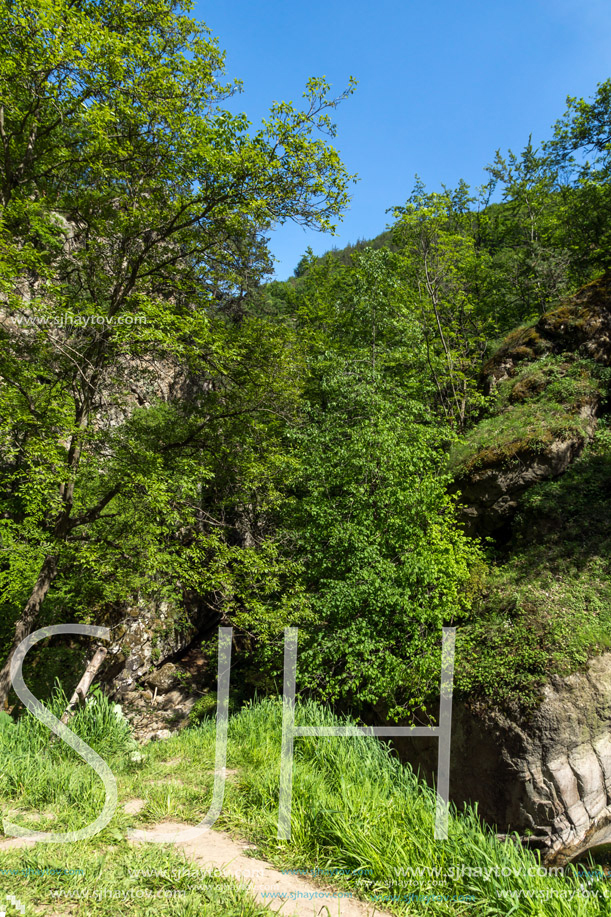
[442,85]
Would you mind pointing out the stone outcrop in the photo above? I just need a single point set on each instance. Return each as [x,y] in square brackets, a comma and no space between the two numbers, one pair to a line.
[581,325]
[154,668]
[146,637]
[547,777]
[490,496]
[493,481]
[157,716]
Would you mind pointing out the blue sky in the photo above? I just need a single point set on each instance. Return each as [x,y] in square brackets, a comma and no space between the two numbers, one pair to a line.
[442,85]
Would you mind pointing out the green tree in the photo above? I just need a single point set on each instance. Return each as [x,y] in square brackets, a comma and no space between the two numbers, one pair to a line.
[134,204]
[384,563]
[380,564]
[443,270]
[580,150]
[524,237]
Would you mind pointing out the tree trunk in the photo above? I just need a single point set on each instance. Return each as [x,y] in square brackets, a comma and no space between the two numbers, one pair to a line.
[84,684]
[26,622]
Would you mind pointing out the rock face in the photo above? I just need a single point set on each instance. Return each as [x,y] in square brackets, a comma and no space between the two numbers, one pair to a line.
[490,496]
[545,775]
[154,667]
[146,637]
[547,778]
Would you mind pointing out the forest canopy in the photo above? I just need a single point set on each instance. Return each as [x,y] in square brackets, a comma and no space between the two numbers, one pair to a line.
[174,424]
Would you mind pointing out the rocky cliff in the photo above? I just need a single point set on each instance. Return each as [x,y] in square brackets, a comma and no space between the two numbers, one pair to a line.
[536,473]
[546,777]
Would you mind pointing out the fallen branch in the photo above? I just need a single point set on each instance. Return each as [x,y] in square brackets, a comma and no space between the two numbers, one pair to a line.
[85,683]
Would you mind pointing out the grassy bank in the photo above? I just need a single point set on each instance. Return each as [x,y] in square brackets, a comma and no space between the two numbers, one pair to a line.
[357,814]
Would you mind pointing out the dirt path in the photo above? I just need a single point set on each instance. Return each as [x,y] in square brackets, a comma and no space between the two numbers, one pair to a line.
[9,843]
[290,895]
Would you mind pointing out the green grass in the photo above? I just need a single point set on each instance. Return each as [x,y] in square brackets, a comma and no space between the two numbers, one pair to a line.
[46,787]
[355,809]
[109,880]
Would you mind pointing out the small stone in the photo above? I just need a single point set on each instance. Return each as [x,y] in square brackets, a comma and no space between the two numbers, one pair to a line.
[165,678]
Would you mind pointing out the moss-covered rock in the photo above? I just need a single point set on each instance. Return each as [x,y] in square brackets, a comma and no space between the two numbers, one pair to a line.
[540,421]
[547,384]
[581,325]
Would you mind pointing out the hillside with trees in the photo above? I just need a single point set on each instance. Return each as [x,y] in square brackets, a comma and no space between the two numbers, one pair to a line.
[409,434]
